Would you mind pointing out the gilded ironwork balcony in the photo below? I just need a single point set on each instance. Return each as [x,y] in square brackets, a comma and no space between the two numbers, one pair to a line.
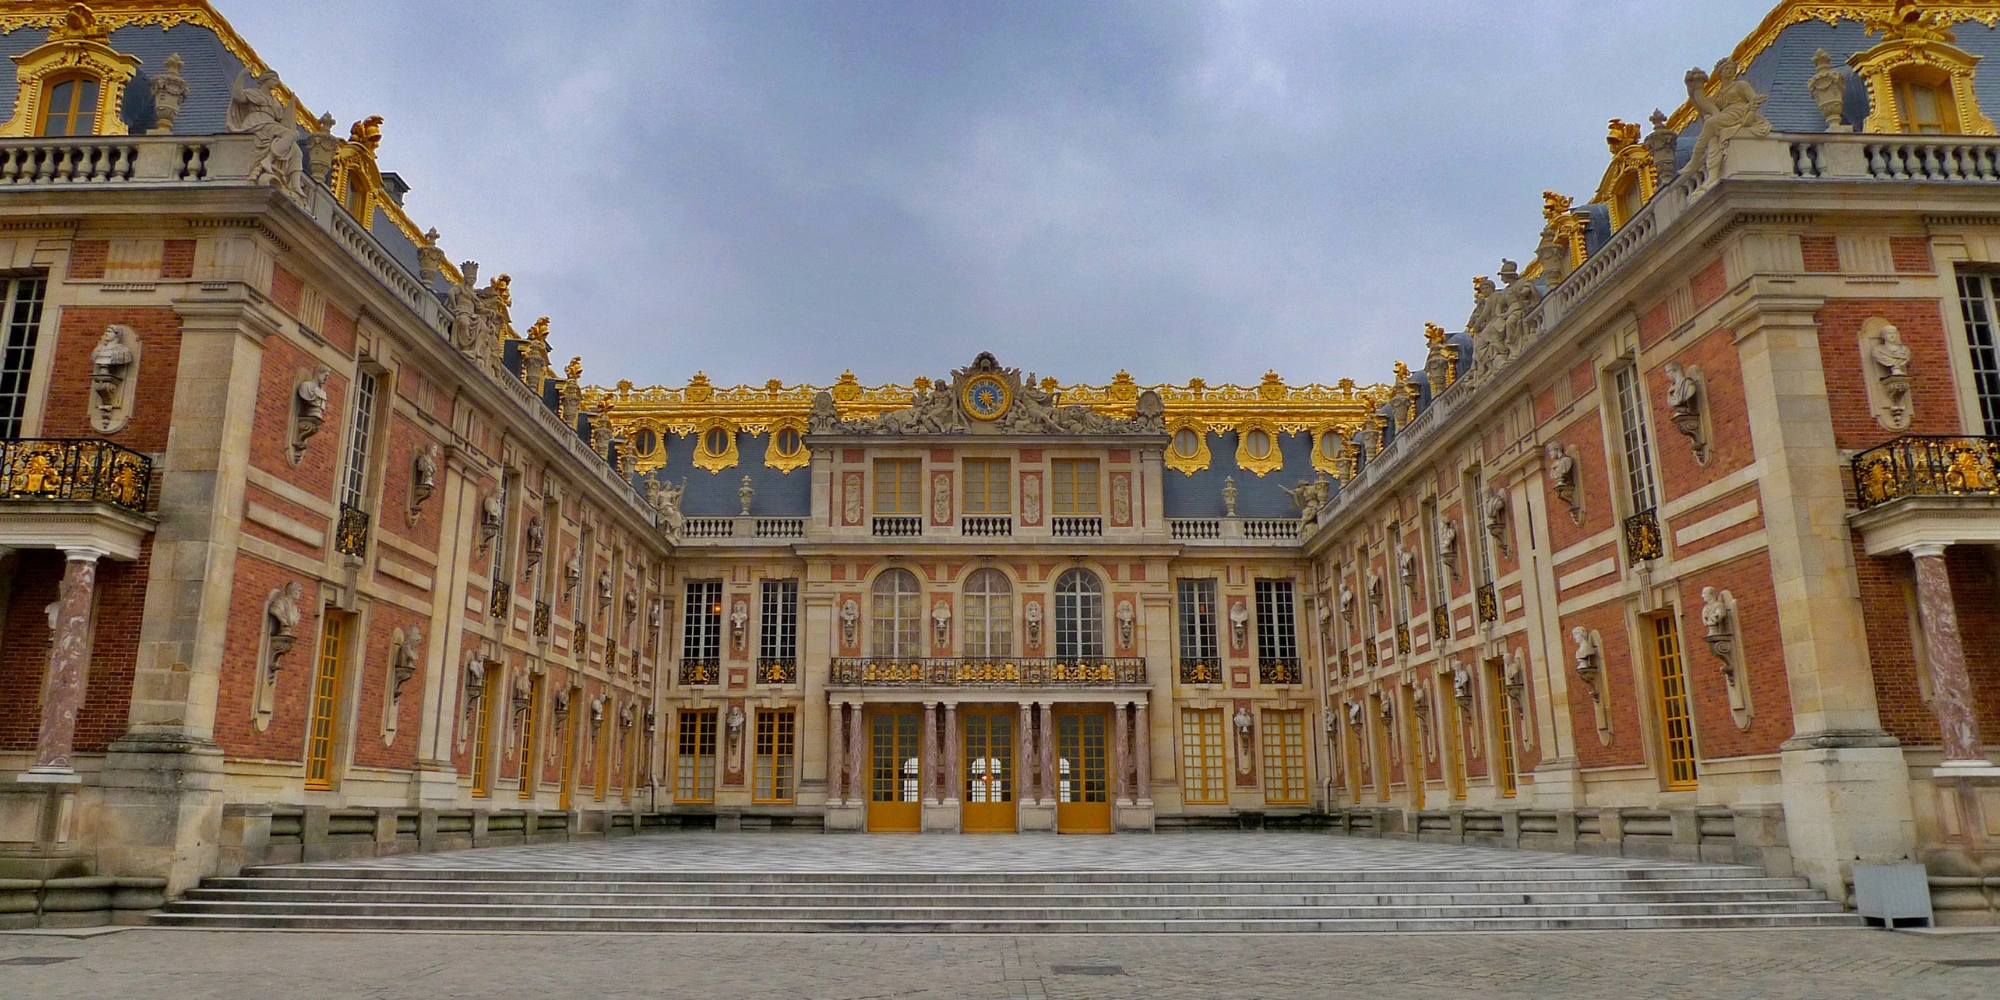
[1642,537]
[501,600]
[1280,670]
[989,672]
[350,533]
[1402,638]
[1201,670]
[699,671]
[541,619]
[83,470]
[778,670]
[1926,465]
[1440,624]
[1489,604]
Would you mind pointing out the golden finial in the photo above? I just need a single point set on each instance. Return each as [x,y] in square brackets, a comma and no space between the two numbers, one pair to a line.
[538,331]
[1622,134]
[504,284]
[574,371]
[80,22]
[1555,206]
[1402,372]
[1433,334]
[367,133]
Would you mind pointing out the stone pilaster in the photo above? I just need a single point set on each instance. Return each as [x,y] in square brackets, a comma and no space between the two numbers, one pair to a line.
[949,781]
[70,619]
[1120,794]
[1951,686]
[1142,743]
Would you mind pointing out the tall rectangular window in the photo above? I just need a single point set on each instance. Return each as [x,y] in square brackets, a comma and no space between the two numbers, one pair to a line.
[482,727]
[772,773]
[528,756]
[694,756]
[1284,757]
[1202,768]
[1638,446]
[23,317]
[361,434]
[1433,532]
[1503,730]
[987,486]
[899,486]
[1977,296]
[324,717]
[1277,627]
[1073,486]
[778,621]
[701,630]
[1676,723]
[1197,617]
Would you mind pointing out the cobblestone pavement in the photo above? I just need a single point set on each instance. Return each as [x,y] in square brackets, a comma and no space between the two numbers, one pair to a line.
[148,963]
[712,852]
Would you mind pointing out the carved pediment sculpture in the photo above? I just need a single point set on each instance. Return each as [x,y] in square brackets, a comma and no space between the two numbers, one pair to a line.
[987,398]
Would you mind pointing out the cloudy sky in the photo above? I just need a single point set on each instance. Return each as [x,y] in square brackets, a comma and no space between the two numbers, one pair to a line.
[786,190]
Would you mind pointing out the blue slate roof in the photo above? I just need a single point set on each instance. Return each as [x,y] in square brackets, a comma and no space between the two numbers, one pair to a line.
[1200,494]
[713,494]
[210,70]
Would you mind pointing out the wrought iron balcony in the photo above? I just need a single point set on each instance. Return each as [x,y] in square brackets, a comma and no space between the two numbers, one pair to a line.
[778,670]
[541,619]
[1643,541]
[1402,638]
[1440,624]
[1280,670]
[350,533]
[988,672]
[501,600]
[1201,670]
[1920,465]
[81,470]
[700,671]
[1489,604]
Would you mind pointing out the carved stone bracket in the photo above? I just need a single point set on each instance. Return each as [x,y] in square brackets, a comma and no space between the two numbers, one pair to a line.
[1563,469]
[1725,642]
[1687,402]
[405,657]
[308,410]
[423,479]
[280,633]
[114,378]
[1885,361]
[1590,670]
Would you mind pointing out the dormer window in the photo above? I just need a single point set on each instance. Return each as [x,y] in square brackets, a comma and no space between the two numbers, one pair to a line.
[69,107]
[357,196]
[1925,105]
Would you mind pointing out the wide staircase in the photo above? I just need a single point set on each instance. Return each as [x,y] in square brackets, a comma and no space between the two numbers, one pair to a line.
[356,896]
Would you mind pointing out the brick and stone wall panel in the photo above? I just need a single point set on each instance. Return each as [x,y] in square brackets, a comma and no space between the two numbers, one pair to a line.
[1620,686]
[235,729]
[1729,445]
[68,409]
[1931,390]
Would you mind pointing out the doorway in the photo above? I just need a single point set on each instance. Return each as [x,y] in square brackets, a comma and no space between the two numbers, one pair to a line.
[1083,799]
[988,792]
[895,786]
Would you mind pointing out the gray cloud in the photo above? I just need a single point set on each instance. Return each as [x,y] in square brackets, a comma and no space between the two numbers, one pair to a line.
[765,190]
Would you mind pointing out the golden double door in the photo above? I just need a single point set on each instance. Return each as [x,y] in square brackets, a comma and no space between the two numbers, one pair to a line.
[987,793]
[1083,772]
[895,772]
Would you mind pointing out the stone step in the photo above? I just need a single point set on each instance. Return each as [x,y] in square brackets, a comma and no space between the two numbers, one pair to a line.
[948,912]
[1581,873]
[1049,888]
[267,921]
[596,898]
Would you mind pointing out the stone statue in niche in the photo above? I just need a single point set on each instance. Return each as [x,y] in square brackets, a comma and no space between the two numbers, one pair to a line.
[1685,397]
[1829,90]
[475,692]
[1033,615]
[308,409]
[654,617]
[1461,687]
[111,378]
[1375,591]
[739,622]
[1732,112]
[604,590]
[492,515]
[1448,544]
[1406,568]
[1891,359]
[1325,615]
[169,89]
[631,607]
[1590,669]
[572,577]
[531,551]
[256,108]
[1245,726]
[1420,704]
[1493,511]
[281,622]
[850,620]
[1720,633]
[941,624]
[1126,620]
[1354,716]
[408,643]
[1229,496]
[735,726]
[1563,479]
[1660,143]
[1239,623]
[423,479]
[1347,603]
[597,703]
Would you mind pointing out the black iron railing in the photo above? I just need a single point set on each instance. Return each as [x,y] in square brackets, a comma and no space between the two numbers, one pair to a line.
[971,671]
[1201,670]
[350,533]
[1280,670]
[778,670]
[697,672]
[88,470]
[1925,465]
[1642,537]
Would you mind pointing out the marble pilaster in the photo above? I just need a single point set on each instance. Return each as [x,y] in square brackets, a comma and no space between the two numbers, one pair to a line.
[1951,686]
[69,659]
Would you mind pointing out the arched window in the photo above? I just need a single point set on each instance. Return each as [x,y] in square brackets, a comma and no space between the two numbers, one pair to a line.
[897,628]
[989,614]
[1079,616]
[69,106]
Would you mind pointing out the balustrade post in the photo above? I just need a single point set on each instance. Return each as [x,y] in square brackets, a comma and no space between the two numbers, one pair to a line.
[1951,686]
[70,620]
[949,780]
[927,767]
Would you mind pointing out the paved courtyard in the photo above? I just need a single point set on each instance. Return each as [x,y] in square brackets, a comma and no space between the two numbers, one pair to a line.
[1189,852]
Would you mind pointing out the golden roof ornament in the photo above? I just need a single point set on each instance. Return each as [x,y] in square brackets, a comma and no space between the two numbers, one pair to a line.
[1433,335]
[80,23]
[574,370]
[538,331]
[367,133]
[1622,134]
[1272,387]
[1555,206]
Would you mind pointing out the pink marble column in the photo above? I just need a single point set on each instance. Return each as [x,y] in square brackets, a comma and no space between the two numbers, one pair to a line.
[836,715]
[1051,781]
[861,761]
[1951,687]
[951,779]
[69,659]
[1024,782]
[1142,752]
[927,776]
[1119,733]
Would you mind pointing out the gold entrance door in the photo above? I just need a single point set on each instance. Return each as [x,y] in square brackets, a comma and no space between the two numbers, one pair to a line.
[1083,800]
[895,787]
[988,794]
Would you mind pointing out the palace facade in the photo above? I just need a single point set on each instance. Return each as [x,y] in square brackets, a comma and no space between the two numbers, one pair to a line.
[1687,545]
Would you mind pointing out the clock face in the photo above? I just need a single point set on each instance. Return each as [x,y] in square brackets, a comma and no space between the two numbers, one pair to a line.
[986,397]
